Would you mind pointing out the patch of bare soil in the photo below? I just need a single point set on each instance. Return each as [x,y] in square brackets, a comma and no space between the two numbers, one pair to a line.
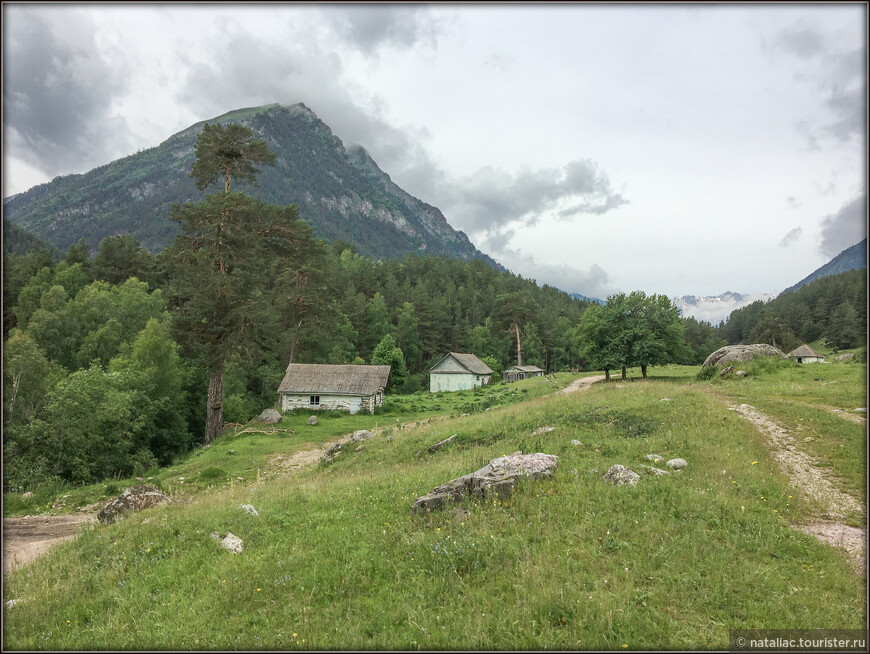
[285,463]
[816,485]
[26,538]
[581,384]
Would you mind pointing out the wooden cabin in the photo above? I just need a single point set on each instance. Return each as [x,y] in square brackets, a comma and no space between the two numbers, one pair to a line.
[333,388]
[458,372]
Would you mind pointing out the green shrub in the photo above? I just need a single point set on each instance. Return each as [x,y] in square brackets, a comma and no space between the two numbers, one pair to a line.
[707,372]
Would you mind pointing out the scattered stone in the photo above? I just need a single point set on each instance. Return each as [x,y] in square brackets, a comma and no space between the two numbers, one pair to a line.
[464,415]
[740,373]
[576,442]
[726,371]
[215,536]
[312,420]
[655,458]
[232,543]
[13,602]
[361,435]
[665,399]
[240,479]
[27,494]
[135,498]
[496,478]
[249,508]
[809,439]
[620,476]
[438,446]
[460,515]
[740,353]
[389,439]
[542,430]
[677,464]
[332,451]
[359,448]
[862,409]
[845,357]
[650,470]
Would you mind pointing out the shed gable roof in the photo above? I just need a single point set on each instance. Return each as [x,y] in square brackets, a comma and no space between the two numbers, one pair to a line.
[804,351]
[338,380]
[525,369]
[468,361]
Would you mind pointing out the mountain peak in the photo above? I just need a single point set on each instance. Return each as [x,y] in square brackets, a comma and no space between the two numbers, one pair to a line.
[341,192]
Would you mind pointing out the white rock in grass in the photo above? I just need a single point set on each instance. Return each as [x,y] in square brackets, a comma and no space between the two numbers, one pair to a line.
[621,476]
[677,464]
[232,543]
[361,435]
[543,430]
[249,508]
[13,602]
[312,420]
[655,458]
[576,442]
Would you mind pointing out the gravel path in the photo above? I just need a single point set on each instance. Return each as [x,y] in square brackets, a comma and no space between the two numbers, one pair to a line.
[816,485]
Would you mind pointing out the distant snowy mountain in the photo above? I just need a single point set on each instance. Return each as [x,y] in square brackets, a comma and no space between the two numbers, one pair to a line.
[580,296]
[714,309]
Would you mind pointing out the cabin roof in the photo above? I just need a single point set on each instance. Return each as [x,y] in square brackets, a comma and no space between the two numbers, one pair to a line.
[469,362]
[334,380]
[804,351]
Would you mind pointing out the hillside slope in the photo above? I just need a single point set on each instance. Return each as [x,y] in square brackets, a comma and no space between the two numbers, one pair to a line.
[851,258]
[341,192]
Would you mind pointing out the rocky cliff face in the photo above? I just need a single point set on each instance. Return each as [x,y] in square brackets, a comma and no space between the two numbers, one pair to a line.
[341,192]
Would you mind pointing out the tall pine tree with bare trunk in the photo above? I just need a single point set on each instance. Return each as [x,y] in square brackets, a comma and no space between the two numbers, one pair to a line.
[223,263]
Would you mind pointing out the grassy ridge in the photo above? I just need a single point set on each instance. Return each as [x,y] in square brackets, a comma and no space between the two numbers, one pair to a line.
[335,560]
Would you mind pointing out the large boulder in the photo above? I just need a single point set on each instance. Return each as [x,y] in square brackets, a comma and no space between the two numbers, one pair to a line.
[361,435]
[135,498]
[270,416]
[731,353]
[498,478]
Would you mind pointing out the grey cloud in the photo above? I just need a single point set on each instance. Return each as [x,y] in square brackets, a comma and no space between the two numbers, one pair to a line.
[800,41]
[368,27]
[792,202]
[845,227]
[847,96]
[58,88]
[841,78]
[791,237]
[491,198]
[591,282]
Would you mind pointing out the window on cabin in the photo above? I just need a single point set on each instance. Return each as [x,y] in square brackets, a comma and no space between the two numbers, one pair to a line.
[314,400]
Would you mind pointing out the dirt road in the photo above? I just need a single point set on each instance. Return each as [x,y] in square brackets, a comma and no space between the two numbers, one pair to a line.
[26,538]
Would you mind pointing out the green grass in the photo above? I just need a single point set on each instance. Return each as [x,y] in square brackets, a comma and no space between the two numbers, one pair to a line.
[336,560]
[243,457]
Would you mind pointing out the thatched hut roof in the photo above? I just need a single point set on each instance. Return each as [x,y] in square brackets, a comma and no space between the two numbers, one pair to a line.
[324,379]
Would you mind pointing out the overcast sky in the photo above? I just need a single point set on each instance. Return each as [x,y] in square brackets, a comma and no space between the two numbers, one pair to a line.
[674,149]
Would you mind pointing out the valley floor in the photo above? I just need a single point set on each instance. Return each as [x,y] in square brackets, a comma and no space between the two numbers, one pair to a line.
[335,559]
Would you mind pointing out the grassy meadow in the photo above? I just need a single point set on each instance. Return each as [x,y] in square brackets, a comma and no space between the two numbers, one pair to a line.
[335,560]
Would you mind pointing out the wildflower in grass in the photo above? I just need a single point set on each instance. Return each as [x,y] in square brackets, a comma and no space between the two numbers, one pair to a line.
[754,462]
[259,589]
